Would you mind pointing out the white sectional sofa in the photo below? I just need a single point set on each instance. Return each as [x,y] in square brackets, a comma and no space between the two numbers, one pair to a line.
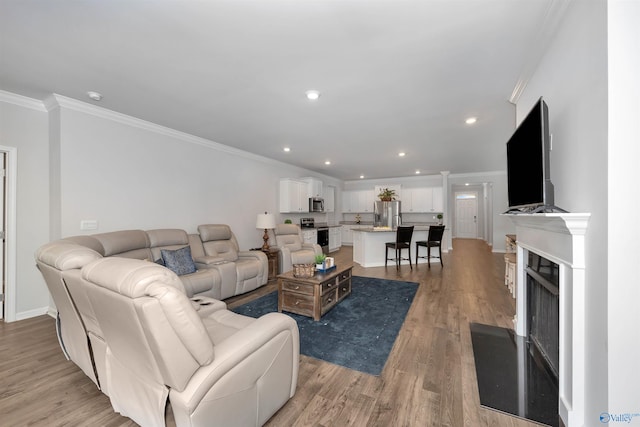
[92,336]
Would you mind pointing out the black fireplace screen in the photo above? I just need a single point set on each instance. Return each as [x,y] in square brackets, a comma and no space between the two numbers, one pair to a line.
[544,309]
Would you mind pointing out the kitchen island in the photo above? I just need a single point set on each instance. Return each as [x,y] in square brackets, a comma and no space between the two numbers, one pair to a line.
[369,245]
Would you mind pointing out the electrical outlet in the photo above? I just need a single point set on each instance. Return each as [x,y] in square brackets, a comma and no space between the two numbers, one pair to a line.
[89,224]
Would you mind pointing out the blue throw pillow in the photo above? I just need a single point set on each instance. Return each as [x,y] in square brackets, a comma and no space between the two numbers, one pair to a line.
[179,261]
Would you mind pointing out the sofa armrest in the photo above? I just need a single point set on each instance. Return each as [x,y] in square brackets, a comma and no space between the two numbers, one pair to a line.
[207,261]
[204,306]
[259,255]
[285,260]
[247,346]
[314,247]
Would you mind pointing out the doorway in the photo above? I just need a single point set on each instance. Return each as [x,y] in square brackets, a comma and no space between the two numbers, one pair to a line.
[8,247]
[466,205]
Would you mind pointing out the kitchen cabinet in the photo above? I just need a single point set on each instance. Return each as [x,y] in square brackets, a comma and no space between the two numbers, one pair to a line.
[438,200]
[416,199]
[358,201]
[346,201]
[329,198]
[421,200]
[335,238]
[365,201]
[347,234]
[310,236]
[314,187]
[293,196]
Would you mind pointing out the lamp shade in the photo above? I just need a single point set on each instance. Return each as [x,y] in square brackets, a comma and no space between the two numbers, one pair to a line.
[265,221]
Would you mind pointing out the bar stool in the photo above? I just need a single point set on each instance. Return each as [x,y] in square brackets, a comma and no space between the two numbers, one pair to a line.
[434,240]
[403,241]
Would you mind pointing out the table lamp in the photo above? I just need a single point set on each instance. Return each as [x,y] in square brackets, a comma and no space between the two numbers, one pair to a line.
[266,221]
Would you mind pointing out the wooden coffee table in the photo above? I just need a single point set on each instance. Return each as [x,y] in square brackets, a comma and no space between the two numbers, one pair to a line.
[313,296]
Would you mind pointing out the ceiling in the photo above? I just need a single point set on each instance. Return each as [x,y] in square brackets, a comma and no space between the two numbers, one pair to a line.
[394,75]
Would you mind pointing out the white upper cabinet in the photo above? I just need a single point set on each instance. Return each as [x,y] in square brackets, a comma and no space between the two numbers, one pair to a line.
[421,200]
[415,199]
[365,200]
[314,187]
[329,198]
[360,201]
[438,200]
[293,196]
[346,201]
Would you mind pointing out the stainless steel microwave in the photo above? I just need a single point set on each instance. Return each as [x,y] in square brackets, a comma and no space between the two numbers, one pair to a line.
[316,204]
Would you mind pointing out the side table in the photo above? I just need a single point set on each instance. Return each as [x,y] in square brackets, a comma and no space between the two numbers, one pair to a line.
[273,256]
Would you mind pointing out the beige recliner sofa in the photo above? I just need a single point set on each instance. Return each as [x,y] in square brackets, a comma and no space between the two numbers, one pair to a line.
[240,271]
[292,248]
[219,368]
[79,334]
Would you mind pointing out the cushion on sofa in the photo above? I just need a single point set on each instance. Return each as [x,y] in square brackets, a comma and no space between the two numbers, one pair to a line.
[179,261]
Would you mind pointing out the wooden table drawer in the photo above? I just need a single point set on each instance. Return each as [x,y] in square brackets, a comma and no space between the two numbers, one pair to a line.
[328,286]
[302,288]
[297,303]
[329,299]
[344,275]
[344,289]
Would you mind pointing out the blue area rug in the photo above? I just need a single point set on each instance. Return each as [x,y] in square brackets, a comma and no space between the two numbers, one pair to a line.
[359,332]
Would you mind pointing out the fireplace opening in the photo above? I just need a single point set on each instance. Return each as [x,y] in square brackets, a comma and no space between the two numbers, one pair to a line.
[543,308]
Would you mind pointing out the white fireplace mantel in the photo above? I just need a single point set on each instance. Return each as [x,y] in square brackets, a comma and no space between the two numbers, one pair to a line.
[559,237]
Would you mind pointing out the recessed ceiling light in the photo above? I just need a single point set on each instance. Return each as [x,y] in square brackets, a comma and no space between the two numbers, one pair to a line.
[327,162]
[401,154]
[471,120]
[312,95]
[287,149]
[361,176]
[466,183]
[417,172]
[94,95]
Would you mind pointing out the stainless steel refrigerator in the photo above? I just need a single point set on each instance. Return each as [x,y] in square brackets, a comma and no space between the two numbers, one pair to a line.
[387,214]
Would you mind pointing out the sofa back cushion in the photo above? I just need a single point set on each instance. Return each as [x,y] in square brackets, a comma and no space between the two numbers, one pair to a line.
[125,243]
[148,322]
[166,238]
[288,236]
[219,241]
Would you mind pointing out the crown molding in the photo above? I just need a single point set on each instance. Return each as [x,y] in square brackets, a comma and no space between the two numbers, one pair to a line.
[546,32]
[60,101]
[22,101]
[477,174]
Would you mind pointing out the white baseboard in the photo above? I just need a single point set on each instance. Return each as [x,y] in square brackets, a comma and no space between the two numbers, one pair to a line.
[32,313]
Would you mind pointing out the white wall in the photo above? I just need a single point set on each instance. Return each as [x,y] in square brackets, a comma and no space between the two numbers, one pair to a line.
[23,125]
[129,174]
[78,162]
[623,230]
[573,78]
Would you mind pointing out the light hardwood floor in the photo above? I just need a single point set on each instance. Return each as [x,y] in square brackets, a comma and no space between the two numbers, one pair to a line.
[429,378]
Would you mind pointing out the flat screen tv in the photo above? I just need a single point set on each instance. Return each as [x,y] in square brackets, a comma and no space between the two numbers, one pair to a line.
[528,150]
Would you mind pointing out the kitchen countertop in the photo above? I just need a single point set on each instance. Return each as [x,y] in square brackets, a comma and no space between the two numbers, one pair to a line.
[389,230]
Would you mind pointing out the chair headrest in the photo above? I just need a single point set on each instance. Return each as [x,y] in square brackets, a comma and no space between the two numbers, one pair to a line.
[66,256]
[282,229]
[210,232]
[129,277]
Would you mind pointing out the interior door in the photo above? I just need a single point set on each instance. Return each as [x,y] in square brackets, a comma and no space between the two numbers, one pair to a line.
[467,215]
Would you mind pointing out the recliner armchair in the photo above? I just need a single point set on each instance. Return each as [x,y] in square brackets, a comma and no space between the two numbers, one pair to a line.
[240,271]
[292,248]
[222,369]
